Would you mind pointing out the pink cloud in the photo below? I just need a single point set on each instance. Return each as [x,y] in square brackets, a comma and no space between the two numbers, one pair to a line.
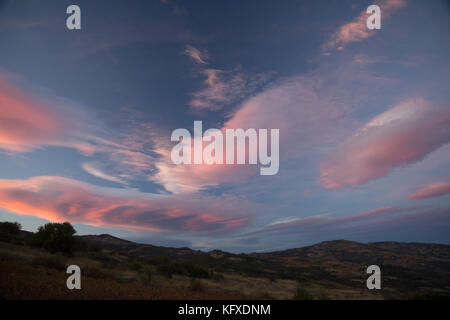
[29,121]
[25,123]
[357,30]
[308,110]
[217,91]
[63,199]
[195,54]
[311,111]
[434,189]
[221,88]
[398,137]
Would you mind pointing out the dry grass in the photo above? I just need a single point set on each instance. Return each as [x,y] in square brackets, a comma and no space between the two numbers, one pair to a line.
[34,274]
[29,273]
[19,280]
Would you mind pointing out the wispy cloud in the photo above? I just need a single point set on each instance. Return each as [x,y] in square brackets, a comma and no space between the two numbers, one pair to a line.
[223,88]
[398,137]
[63,199]
[195,54]
[310,111]
[356,30]
[34,121]
[220,87]
[432,190]
[25,124]
[319,224]
[91,168]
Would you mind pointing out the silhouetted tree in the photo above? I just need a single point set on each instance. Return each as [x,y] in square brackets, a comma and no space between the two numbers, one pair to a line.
[10,227]
[56,237]
[9,231]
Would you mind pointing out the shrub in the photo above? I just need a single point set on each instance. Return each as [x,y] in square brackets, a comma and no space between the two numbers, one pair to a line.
[80,244]
[218,277]
[196,271]
[169,269]
[323,295]
[55,262]
[107,260]
[56,237]
[425,296]
[196,286]
[92,247]
[135,265]
[182,268]
[265,296]
[94,272]
[146,276]
[9,231]
[10,227]
[158,260]
[302,294]
[4,256]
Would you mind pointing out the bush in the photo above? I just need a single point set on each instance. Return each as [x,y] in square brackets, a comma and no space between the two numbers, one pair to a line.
[169,270]
[146,276]
[56,262]
[94,272]
[184,269]
[302,294]
[323,295]
[196,271]
[4,256]
[92,247]
[10,227]
[158,260]
[9,231]
[135,265]
[218,277]
[56,237]
[265,296]
[425,296]
[196,286]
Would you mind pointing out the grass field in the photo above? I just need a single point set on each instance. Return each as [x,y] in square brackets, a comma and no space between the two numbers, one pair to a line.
[31,273]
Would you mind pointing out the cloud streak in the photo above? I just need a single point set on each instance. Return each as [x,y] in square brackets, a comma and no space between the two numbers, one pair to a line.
[222,88]
[91,168]
[195,54]
[432,190]
[376,218]
[398,137]
[63,199]
[356,30]
[24,124]
[30,121]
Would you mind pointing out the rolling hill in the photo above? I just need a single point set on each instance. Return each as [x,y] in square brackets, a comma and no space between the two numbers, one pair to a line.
[118,268]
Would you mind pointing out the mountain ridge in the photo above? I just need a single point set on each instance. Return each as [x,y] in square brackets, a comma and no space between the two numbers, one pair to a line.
[106,236]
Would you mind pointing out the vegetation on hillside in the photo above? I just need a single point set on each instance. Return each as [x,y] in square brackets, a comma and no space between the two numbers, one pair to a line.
[33,265]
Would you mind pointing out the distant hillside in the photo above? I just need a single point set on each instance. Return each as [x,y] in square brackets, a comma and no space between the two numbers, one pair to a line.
[406,267]
[116,268]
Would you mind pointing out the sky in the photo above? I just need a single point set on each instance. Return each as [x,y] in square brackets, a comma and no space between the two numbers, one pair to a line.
[86,118]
